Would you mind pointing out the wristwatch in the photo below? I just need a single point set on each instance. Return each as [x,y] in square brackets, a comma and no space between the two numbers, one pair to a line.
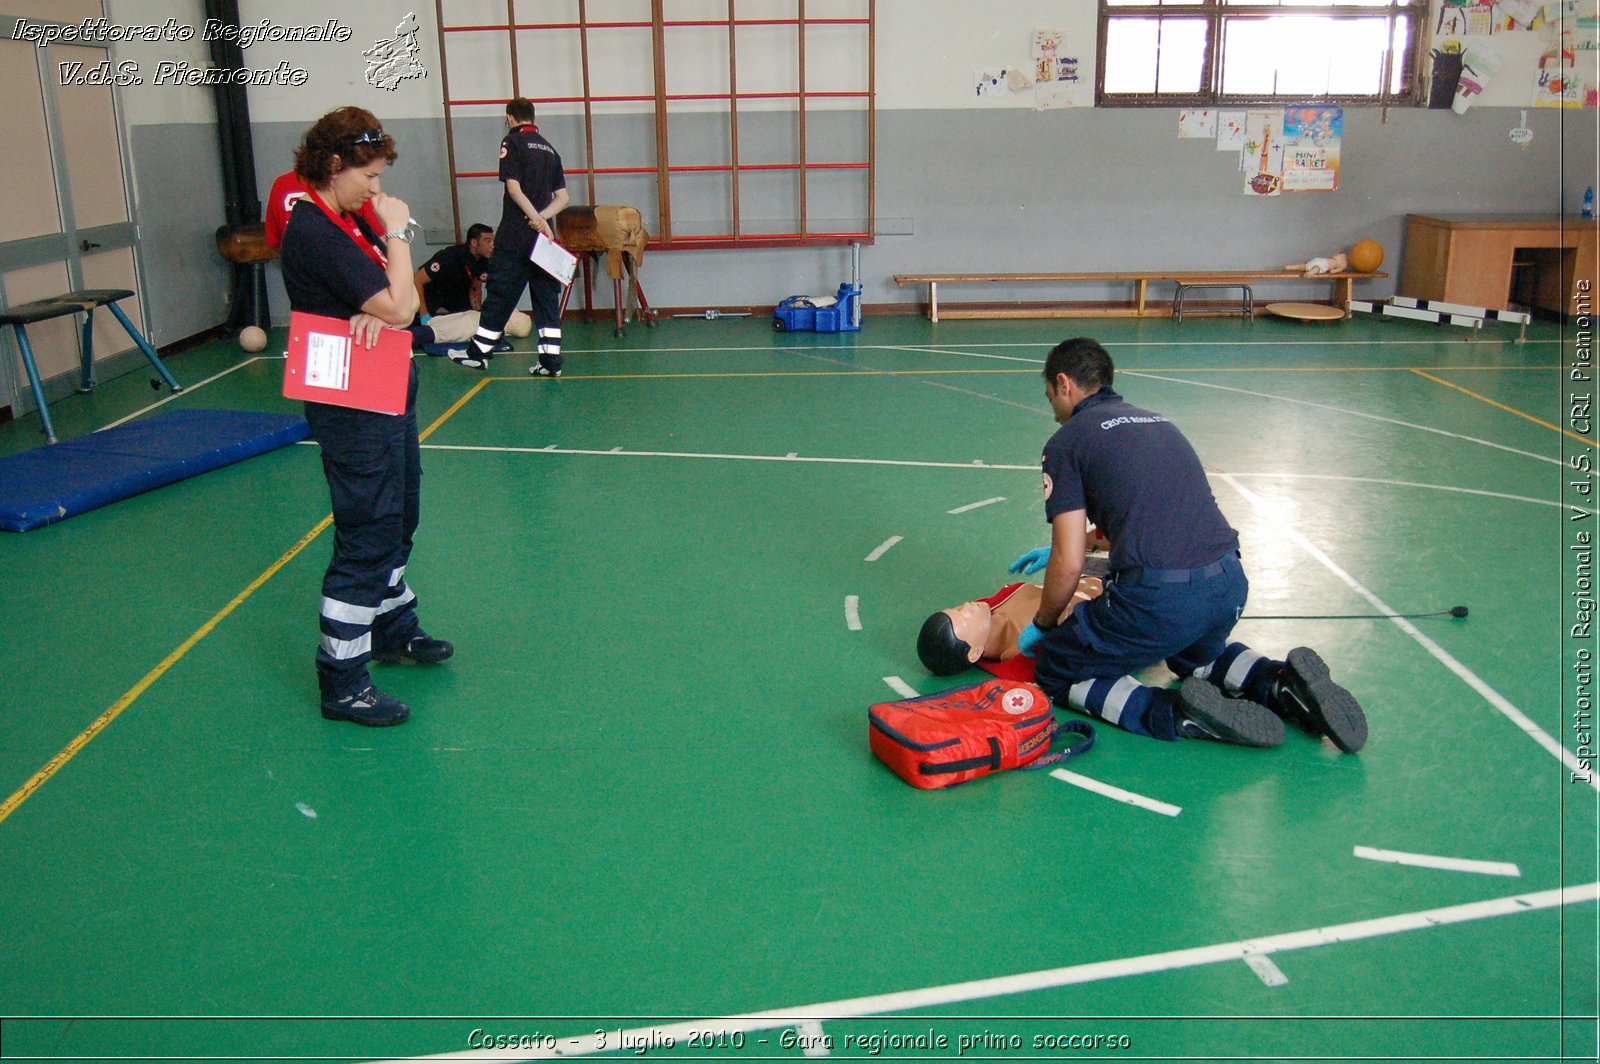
[407,234]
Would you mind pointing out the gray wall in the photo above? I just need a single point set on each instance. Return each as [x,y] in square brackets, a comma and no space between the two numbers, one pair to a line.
[1114,189]
[1080,189]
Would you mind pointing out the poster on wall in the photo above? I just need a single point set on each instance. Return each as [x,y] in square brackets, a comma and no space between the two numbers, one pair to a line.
[992,81]
[1519,15]
[1479,65]
[1468,18]
[1197,124]
[1261,157]
[1311,138]
[1056,77]
[1556,82]
[1230,130]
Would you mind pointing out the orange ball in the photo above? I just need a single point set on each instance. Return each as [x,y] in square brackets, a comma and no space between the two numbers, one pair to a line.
[1366,256]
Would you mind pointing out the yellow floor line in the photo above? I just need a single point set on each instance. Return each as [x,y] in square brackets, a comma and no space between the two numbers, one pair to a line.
[1507,409]
[68,752]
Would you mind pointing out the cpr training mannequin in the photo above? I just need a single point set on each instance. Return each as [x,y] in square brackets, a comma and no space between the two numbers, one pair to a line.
[1332,264]
[984,632]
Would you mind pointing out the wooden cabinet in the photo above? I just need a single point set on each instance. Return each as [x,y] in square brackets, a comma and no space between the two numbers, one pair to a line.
[1490,262]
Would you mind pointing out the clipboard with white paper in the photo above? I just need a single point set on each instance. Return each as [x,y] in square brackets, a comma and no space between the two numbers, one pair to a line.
[553,259]
[325,364]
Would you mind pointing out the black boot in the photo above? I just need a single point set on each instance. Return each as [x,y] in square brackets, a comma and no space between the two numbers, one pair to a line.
[1204,712]
[1305,694]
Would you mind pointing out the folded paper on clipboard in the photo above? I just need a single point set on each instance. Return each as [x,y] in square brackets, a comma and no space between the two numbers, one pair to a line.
[326,364]
[553,259]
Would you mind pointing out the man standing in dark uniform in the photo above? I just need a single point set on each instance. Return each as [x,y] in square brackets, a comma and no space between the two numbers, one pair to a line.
[535,192]
[1176,586]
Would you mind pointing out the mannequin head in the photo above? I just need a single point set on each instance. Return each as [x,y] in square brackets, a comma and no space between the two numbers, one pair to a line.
[954,639]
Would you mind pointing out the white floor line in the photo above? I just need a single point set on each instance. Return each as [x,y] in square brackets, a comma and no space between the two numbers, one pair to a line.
[1116,793]
[977,505]
[1411,484]
[728,457]
[1344,410]
[1048,979]
[852,612]
[188,389]
[793,457]
[1265,970]
[1447,864]
[1467,676]
[883,548]
[933,350]
[900,687]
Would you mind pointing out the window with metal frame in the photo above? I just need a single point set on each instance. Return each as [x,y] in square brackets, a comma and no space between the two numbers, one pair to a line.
[1165,53]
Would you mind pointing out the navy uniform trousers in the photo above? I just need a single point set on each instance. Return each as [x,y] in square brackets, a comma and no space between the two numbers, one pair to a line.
[1180,616]
[510,271]
[374,468]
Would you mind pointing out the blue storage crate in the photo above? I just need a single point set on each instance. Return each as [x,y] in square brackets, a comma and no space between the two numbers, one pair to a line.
[796,314]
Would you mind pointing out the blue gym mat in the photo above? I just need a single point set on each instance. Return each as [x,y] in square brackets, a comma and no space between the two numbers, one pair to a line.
[54,482]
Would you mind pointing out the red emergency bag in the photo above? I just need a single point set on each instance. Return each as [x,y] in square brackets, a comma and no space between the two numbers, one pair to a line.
[952,736]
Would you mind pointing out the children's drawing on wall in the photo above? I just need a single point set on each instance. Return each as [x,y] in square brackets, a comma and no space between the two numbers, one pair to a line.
[1556,82]
[1197,124]
[1262,153]
[1057,80]
[1480,19]
[1479,64]
[992,81]
[1230,131]
[1311,138]
[1587,33]
[1452,20]
[1518,15]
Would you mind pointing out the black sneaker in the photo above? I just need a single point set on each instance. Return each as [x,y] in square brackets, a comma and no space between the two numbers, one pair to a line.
[539,369]
[369,706]
[1306,692]
[470,359]
[422,649]
[1204,712]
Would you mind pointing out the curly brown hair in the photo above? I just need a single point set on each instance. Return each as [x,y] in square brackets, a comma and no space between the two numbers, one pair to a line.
[351,135]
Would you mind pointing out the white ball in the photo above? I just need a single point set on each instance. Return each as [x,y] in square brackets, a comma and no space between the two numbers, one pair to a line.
[253,338]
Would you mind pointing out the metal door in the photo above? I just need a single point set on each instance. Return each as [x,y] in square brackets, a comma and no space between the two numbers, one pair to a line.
[66,221]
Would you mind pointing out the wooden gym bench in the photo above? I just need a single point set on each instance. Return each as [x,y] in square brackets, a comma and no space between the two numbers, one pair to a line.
[1136,306]
[81,302]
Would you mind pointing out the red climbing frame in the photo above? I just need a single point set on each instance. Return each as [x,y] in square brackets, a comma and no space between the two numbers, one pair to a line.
[665,170]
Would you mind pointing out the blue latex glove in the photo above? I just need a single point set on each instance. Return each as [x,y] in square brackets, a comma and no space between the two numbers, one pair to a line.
[425,318]
[1029,640]
[1031,562]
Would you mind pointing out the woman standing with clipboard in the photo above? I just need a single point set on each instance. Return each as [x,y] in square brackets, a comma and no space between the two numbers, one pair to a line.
[335,265]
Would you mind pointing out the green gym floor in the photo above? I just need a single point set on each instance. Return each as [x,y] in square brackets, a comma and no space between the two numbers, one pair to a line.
[638,805]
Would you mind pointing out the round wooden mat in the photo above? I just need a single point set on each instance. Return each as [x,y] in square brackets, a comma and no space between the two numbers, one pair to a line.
[1305,311]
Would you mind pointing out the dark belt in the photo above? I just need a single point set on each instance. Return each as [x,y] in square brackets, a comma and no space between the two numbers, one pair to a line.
[1147,575]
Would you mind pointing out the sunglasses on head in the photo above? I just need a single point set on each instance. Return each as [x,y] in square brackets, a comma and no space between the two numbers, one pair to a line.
[371,136]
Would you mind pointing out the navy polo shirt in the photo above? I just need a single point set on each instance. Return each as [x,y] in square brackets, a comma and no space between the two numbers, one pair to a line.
[324,271]
[527,158]
[1140,482]
[450,274]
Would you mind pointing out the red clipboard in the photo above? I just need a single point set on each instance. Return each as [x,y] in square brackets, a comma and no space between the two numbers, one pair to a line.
[327,365]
